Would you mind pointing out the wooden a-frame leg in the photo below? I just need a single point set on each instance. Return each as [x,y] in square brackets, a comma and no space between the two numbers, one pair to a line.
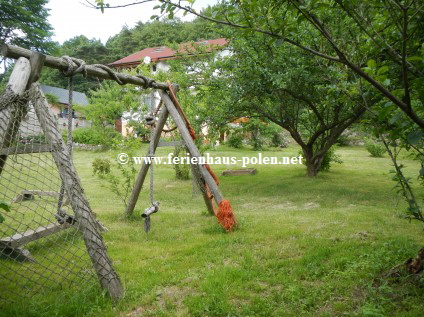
[192,148]
[96,249]
[202,186]
[145,165]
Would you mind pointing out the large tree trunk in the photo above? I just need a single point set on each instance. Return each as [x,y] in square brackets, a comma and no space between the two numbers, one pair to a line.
[313,162]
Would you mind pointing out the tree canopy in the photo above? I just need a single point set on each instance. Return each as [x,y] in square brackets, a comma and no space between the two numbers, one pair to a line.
[24,23]
[347,32]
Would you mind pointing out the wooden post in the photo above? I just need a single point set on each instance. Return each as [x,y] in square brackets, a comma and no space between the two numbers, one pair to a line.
[11,115]
[200,182]
[36,61]
[108,278]
[145,166]
[57,63]
[213,187]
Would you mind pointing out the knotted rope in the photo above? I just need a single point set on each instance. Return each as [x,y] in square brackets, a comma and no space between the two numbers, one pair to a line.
[110,72]
[148,82]
[76,66]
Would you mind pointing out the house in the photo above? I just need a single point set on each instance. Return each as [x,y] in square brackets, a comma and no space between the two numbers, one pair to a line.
[59,109]
[158,57]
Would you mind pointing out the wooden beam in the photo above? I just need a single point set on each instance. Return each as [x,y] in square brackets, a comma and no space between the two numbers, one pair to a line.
[247,171]
[20,239]
[145,166]
[16,52]
[192,148]
[29,195]
[37,62]
[11,115]
[26,149]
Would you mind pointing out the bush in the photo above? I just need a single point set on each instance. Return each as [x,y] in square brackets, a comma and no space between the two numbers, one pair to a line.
[182,171]
[278,140]
[97,136]
[343,140]
[101,167]
[257,144]
[329,158]
[120,177]
[33,139]
[235,140]
[375,149]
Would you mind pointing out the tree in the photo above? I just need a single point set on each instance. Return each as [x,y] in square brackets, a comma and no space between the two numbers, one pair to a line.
[389,30]
[106,105]
[24,23]
[121,44]
[314,102]
[91,51]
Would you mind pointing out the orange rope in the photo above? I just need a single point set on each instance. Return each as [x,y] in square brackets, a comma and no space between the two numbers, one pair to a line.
[215,178]
[180,110]
[224,214]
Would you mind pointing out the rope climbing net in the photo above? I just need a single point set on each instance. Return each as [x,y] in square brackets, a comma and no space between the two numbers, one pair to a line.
[49,239]
[40,245]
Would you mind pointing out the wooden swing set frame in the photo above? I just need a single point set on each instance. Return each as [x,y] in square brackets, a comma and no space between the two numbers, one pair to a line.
[28,68]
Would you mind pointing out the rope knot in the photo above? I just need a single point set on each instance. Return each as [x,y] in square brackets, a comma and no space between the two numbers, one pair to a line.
[74,65]
[148,82]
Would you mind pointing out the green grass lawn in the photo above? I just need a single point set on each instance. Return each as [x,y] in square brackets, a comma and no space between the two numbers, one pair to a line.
[303,247]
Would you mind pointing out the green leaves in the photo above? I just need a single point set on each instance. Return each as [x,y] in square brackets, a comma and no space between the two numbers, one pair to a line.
[415,137]
[25,23]
[372,64]
[382,70]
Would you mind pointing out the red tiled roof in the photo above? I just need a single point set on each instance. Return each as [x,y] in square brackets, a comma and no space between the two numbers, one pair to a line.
[164,53]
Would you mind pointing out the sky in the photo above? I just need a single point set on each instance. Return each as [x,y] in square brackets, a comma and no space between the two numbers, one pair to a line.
[70,18]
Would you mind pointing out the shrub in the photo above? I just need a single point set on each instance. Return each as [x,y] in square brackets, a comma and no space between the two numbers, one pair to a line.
[34,139]
[182,171]
[375,149]
[101,167]
[343,140]
[329,158]
[119,177]
[235,140]
[257,143]
[278,140]
[92,135]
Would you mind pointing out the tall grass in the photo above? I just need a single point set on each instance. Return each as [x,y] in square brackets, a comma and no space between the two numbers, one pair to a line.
[303,247]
